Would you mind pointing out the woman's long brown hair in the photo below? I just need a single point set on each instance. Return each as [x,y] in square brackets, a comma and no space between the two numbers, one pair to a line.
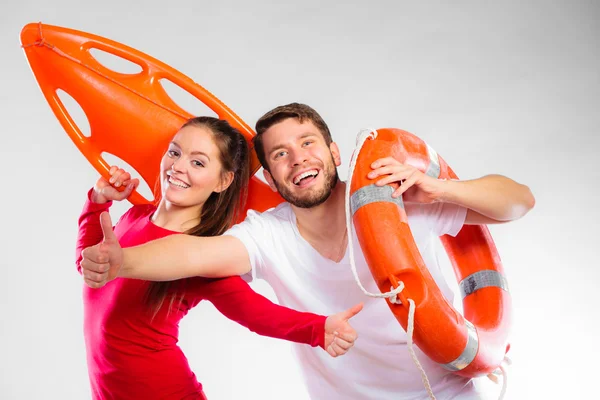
[220,210]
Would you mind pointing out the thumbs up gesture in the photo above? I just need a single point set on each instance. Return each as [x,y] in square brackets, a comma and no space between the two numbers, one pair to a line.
[101,263]
[339,334]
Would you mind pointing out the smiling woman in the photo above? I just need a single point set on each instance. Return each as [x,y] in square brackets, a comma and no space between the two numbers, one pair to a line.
[201,163]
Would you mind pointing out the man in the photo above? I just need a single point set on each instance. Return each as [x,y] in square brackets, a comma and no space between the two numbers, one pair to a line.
[299,248]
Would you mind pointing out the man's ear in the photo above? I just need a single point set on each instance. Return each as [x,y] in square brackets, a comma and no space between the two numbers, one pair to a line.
[270,180]
[335,152]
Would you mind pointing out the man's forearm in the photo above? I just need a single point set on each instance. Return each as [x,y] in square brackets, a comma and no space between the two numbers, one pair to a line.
[164,259]
[183,256]
[493,196]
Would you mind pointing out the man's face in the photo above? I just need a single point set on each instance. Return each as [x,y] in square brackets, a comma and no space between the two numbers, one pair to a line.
[303,167]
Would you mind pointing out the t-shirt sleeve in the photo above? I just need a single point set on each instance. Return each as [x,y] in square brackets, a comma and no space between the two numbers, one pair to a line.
[444,218]
[253,232]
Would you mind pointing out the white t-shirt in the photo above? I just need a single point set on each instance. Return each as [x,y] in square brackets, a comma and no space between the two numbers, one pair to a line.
[379,365]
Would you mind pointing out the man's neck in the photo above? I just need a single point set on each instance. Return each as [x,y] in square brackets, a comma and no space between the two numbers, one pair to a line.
[325,222]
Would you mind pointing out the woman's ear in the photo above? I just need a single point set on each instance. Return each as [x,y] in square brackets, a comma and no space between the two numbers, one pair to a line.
[225,182]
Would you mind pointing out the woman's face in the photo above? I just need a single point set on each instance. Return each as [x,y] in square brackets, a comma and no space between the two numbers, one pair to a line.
[191,169]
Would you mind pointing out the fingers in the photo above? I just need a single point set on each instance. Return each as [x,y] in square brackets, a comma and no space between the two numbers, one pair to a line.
[94,285]
[396,177]
[331,351]
[94,261]
[405,185]
[389,169]
[93,267]
[94,254]
[346,336]
[95,277]
[130,186]
[343,344]
[118,176]
[382,162]
[392,171]
[340,341]
[339,346]
[335,350]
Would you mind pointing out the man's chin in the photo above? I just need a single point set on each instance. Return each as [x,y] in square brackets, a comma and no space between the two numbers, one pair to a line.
[308,201]
[311,197]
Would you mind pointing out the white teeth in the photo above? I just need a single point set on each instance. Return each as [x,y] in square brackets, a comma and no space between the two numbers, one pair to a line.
[178,183]
[303,175]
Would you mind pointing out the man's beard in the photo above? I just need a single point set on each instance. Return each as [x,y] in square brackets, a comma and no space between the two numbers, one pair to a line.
[314,199]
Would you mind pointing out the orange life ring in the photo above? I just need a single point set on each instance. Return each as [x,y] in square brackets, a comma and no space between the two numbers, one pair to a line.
[473,345]
[130,115]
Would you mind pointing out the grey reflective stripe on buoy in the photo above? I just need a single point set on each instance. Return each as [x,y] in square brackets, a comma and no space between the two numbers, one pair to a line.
[433,169]
[469,352]
[482,279]
[373,194]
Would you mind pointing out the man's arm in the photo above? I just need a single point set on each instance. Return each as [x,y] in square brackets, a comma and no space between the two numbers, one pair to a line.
[183,256]
[490,199]
[170,258]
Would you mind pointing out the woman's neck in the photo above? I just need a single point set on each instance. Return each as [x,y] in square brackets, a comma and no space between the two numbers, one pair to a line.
[175,218]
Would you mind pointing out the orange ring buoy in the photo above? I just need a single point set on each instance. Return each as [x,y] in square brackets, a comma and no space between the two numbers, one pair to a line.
[130,115]
[473,345]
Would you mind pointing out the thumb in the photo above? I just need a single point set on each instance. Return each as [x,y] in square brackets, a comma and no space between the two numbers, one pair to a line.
[352,311]
[107,230]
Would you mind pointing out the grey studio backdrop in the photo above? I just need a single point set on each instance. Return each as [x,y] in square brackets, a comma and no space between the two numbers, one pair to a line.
[495,87]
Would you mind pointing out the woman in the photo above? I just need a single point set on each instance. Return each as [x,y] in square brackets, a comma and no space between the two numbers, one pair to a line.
[131,326]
